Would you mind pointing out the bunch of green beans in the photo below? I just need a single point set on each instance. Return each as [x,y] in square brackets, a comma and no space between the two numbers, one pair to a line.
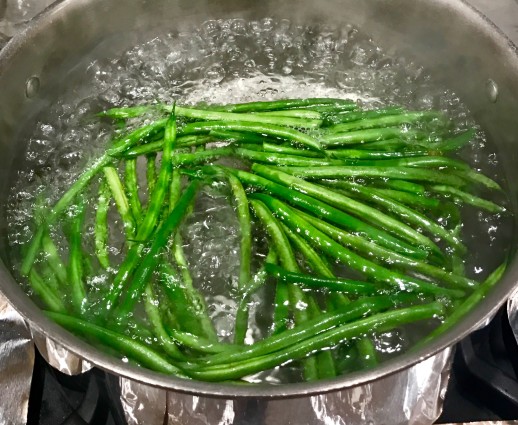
[352,203]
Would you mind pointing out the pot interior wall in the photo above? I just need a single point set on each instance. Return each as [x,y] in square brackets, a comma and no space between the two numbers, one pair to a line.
[446,37]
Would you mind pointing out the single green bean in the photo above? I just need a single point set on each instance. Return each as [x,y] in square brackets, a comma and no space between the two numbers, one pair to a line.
[153,147]
[126,112]
[276,105]
[238,137]
[468,304]
[207,115]
[125,345]
[411,199]
[197,343]
[75,261]
[258,280]
[293,113]
[468,198]
[151,173]
[363,136]
[101,224]
[282,159]
[289,150]
[276,131]
[314,260]
[47,294]
[456,142]
[402,185]
[473,176]
[389,121]
[153,314]
[372,155]
[201,157]
[400,173]
[349,116]
[131,180]
[417,161]
[117,190]
[53,258]
[348,286]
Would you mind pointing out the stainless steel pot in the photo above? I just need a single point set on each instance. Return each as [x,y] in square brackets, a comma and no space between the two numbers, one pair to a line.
[454,42]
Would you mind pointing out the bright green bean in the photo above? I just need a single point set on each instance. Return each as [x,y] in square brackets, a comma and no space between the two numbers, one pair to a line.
[75,261]
[121,343]
[131,180]
[101,225]
[468,198]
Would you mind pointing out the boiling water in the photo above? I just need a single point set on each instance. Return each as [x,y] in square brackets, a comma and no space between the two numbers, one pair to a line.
[224,62]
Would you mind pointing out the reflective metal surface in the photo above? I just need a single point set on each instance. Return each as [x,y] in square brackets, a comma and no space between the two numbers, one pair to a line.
[450,39]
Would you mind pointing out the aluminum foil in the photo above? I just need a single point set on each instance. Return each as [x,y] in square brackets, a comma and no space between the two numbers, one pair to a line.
[412,397]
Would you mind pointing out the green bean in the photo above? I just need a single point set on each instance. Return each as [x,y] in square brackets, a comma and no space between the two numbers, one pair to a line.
[153,147]
[207,115]
[119,146]
[405,213]
[347,257]
[47,294]
[117,190]
[125,112]
[258,280]
[388,121]
[101,225]
[385,255]
[400,173]
[201,157]
[372,155]
[314,260]
[289,150]
[245,227]
[131,180]
[381,322]
[151,173]
[238,137]
[411,199]
[349,116]
[281,341]
[149,261]
[134,350]
[363,136]
[402,185]
[388,145]
[292,113]
[320,209]
[281,159]
[53,258]
[473,176]
[297,299]
[190,309]
[456,142]
[175,189]
[276,105]
[345,203]
[153,314]
[159,190]
[348,286]
[366,352]
[75,261]
[286,258]
[468,304]
[197,343]
[284,133]
[468,198]
[418,161]
[325,363]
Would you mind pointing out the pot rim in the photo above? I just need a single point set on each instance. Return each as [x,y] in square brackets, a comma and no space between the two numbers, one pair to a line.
[37,321]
